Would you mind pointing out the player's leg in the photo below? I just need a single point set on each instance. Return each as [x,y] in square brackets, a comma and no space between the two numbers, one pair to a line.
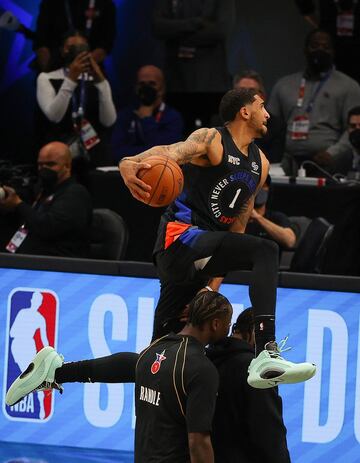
[238,251]
[218,252]
[115,368]
[172,302]
[48,371]
[179,283]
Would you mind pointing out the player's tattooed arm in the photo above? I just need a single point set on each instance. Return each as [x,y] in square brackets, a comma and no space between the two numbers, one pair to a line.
[197,144]
[242,218]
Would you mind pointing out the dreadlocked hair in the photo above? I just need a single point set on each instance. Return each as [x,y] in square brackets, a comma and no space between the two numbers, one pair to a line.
[207,305]
[244,323]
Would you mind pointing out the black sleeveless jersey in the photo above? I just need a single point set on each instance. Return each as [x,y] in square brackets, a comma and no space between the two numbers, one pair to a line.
[213,196]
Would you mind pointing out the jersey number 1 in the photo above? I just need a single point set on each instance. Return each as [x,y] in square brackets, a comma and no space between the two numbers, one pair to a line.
[232,204]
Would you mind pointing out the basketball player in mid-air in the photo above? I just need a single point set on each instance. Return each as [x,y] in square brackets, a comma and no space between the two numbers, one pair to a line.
[201,238]
[201,235]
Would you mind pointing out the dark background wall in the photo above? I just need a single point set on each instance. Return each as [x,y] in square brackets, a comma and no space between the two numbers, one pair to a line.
[268,36]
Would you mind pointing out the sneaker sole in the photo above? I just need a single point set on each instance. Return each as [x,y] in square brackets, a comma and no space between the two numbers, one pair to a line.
[27,381]
[289,377]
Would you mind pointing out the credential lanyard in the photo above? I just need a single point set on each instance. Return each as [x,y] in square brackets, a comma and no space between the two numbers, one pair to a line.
[77,113]
[300,100]
[160,112]
[136,124]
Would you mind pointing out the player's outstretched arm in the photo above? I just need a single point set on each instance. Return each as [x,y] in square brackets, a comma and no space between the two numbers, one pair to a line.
[199,143]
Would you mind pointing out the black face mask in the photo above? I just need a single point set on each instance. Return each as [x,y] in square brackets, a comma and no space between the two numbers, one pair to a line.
[319,60]
[48,180]
[147,94]
[354,138]
[261,198]
[73,51]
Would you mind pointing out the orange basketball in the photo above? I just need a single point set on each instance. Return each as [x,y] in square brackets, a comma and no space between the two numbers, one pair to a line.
[165,178]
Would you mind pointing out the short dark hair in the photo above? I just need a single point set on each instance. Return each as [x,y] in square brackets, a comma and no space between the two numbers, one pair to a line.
[250,74]
[244,323]
[355,111]
[233,101]
[206,306]
[74,33]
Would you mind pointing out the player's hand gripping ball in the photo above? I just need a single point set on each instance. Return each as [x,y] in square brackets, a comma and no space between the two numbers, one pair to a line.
[165,178]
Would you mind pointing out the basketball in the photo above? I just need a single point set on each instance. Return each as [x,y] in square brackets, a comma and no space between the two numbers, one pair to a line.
[165,178]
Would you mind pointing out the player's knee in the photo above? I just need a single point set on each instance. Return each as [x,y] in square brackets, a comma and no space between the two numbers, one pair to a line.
[269,249]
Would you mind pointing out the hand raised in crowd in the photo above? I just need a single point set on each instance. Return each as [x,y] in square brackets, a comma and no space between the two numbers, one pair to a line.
[129,170]
[80,65]
[95,70]
[99,54]
[11,199]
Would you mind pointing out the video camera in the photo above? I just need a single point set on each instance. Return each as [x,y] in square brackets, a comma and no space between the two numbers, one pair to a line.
[23,178]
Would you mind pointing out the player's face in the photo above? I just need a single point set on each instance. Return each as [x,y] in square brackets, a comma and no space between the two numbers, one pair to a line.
[222,326]
[259,117]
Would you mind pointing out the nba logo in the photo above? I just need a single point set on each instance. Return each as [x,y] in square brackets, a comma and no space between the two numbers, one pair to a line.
[32,320]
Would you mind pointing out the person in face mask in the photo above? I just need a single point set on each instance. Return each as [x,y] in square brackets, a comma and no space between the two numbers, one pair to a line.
[354,136]
[149,121]
[313,104]
[58,221]
[266,223]
[76,102]
[319,55]
[341,19]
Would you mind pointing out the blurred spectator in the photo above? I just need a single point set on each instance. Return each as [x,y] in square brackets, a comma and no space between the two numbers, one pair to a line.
[266,223]
[77,102]
[58,222]
[148,122]
[354,136]
[314,105]
[272,144]
[342,256]
[56,17]
[341,19]
[195,33]
[243,413]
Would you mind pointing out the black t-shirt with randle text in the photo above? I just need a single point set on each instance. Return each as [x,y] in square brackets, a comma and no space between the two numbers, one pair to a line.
[175,394]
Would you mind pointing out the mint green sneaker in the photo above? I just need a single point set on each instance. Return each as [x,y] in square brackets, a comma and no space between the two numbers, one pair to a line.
[39,376]
[269,369]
